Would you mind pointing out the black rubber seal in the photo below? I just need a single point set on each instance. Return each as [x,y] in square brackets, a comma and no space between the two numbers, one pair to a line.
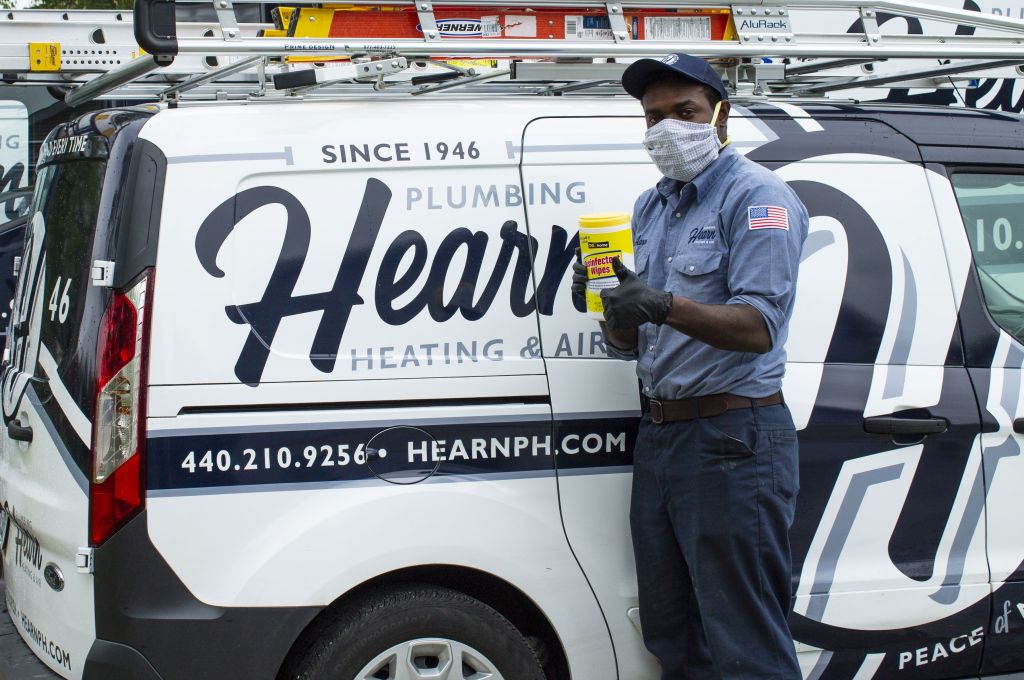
[286,81]
[435,78]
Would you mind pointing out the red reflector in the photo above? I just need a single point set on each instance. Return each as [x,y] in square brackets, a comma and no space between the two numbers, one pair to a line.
[115,501]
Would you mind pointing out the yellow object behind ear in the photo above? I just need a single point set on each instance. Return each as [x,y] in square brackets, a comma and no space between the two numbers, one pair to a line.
[714,119]
[714,114]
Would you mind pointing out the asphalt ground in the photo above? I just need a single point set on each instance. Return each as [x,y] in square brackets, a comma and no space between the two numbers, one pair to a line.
[17,662]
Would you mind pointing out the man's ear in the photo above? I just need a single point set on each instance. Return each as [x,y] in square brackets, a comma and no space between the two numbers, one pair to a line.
[723,120]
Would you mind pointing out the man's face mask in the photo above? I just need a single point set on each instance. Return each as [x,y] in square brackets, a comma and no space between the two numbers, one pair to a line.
[682,150]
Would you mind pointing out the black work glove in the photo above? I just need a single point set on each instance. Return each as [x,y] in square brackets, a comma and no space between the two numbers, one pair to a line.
[633,302]
[579,276]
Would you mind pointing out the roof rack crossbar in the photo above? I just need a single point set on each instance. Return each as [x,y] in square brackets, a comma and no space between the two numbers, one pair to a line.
[824,65]
[573,87]
[125,73]
[905,76]
[203,78]
[459,82]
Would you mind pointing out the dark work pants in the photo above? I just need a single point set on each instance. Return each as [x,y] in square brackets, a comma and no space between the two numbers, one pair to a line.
[713,500]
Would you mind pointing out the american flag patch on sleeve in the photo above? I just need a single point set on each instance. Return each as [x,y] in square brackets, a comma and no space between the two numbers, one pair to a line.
[768,217]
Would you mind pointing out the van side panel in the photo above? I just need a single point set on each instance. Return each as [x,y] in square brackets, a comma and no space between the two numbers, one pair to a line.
[346,377]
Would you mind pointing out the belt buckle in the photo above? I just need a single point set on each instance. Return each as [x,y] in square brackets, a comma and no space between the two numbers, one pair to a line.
[657,412]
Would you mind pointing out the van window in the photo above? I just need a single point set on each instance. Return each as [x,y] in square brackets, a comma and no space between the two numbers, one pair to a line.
[68,201]
[992,206]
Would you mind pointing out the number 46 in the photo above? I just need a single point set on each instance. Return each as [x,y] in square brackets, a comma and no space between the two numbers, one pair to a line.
[60,309]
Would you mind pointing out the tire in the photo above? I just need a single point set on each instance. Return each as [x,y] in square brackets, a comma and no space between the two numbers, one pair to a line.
[437,627]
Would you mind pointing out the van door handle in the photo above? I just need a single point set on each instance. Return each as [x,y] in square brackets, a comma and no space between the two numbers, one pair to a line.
[15,430]
[911,426]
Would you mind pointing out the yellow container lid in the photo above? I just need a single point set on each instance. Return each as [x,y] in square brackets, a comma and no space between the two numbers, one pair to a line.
[598,220]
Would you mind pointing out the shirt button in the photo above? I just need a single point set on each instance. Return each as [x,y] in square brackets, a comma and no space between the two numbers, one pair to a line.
[647,390]
[651,348]
[669,258]
[691,267]
[679,214]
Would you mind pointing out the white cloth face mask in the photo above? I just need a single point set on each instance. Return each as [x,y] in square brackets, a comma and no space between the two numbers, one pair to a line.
[682,150]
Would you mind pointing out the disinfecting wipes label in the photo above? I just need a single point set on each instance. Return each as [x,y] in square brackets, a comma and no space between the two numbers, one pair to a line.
[599,248]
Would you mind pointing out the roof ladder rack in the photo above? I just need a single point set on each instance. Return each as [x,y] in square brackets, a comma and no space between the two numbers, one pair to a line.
[549,47]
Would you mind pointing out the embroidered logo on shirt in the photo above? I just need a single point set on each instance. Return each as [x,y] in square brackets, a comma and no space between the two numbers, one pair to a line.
[703,235]
[768,217]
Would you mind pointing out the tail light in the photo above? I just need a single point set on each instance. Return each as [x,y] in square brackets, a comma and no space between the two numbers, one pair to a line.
[119,427]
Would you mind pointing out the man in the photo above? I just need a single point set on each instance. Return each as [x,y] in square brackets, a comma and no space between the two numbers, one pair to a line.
[717,247]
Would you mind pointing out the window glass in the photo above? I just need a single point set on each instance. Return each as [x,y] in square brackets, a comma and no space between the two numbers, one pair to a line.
[67,200]
[992,206]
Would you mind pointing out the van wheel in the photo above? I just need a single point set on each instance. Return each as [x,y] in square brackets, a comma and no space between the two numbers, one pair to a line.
[415,633]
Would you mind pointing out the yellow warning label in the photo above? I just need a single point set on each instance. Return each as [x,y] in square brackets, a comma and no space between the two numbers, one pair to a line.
[44,56]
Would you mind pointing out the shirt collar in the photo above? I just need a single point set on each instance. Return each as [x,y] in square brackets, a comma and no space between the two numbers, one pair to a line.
[669,188]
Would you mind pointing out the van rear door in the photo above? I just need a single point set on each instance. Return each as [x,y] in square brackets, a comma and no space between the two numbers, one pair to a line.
[49,387]
[45,401]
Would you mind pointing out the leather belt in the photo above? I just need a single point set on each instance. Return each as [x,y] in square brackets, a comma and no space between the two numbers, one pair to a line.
[705,407]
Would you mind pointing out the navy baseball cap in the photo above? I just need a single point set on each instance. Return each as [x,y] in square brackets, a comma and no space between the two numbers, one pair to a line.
[639,74]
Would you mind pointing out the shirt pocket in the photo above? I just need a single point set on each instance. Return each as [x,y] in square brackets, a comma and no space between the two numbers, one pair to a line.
[641,259]
[699,275]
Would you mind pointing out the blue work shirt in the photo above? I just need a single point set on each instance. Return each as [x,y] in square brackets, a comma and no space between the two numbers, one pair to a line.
[731,236]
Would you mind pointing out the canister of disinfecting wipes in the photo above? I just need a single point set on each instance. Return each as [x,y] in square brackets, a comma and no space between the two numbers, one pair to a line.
[604,237]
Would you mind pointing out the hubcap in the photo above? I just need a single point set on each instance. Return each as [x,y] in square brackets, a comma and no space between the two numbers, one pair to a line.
[430,659]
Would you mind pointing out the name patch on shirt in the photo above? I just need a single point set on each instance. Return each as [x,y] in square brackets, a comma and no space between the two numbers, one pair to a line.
[768,217]
[703,235]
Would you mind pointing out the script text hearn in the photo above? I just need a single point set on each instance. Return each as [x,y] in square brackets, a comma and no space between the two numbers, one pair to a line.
[400,276]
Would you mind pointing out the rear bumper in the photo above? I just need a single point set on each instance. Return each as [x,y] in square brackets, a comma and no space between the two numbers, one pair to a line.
[150,627]
[111,661]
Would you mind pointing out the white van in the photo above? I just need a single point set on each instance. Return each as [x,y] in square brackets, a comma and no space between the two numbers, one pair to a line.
[299,390]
